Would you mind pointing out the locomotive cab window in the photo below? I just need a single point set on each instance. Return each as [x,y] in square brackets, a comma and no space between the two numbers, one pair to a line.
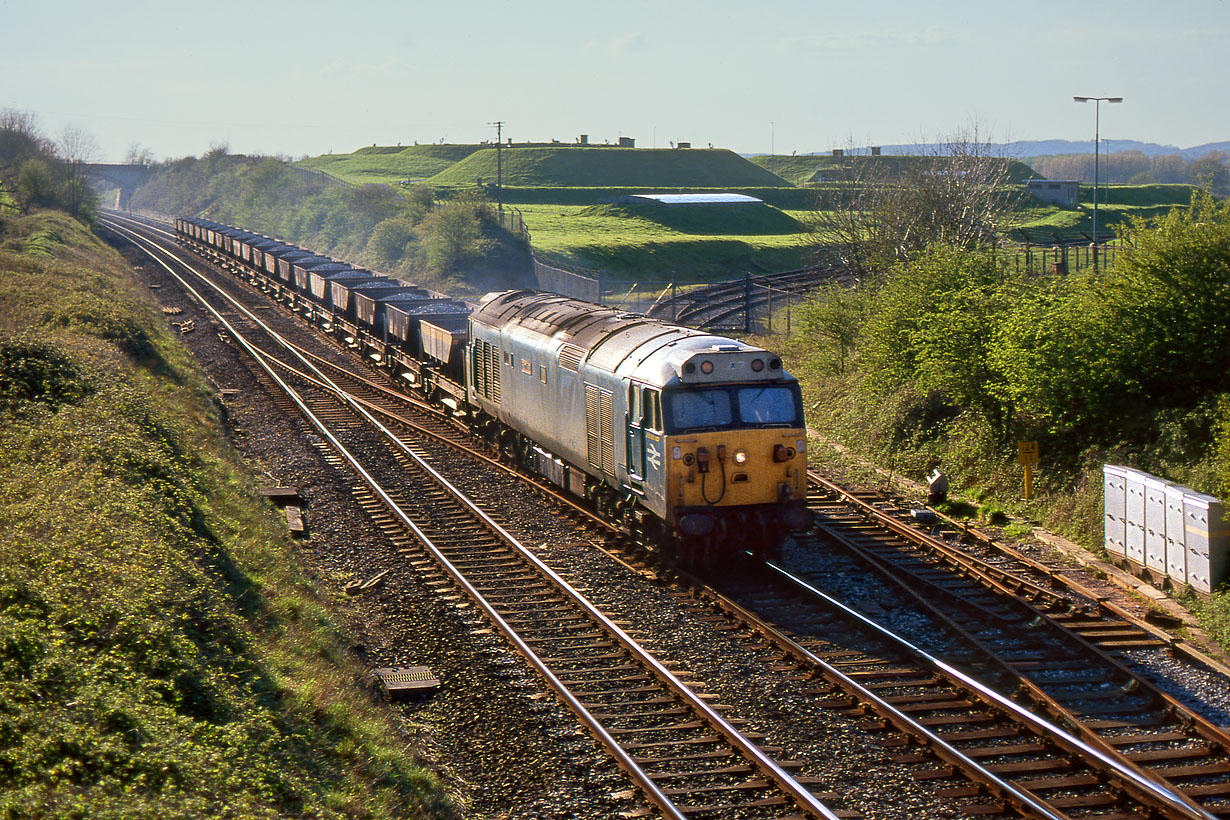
[717,408]
[645,407]
[653,409]
[767,405]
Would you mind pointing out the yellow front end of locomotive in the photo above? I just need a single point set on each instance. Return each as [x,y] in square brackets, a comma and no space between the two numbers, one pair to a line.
[735,468]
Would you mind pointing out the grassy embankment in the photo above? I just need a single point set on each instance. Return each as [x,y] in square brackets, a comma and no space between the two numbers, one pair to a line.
[556,188]
[390,163]
[161,653]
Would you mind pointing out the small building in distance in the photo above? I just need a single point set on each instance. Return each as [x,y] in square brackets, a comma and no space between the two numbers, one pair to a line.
[690,200]
[1062,192]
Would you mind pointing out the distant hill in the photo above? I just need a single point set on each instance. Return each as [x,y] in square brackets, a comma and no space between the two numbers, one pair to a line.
[1025,149]
[800,169]
[589,166]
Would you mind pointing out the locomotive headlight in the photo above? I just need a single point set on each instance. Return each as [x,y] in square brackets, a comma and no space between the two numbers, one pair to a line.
[706,367]
[757,365]
[740,457]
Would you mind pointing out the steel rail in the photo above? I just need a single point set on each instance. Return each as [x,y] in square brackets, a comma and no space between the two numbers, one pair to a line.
[1205,728]
[908,532]
[802,796]
[625,761]
[1172,800]
[1061,577]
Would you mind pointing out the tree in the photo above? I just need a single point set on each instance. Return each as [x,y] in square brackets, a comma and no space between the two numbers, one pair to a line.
[453,232]
[835,313]
[1099,358]
[139,155]
[35,183]
[77,149]
[1209,172]
[933,324]
[20,139]
[882,211]
[390,239]
[1170,169]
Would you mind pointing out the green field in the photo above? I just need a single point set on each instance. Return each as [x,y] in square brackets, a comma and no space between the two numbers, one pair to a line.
[626,243]
[795,170]
[1118,205]
[609,167]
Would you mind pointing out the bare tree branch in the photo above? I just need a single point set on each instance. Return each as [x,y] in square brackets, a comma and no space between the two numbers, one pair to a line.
[874,211]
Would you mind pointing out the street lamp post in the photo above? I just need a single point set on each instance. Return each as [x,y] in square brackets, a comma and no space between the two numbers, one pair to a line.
[1097,101]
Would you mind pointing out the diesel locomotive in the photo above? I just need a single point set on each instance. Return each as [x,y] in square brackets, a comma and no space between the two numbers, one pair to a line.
[693,442]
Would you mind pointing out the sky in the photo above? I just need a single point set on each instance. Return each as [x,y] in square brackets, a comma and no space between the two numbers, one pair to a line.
[305,78]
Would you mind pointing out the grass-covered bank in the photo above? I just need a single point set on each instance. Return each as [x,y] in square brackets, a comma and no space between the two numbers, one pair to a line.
[161,655]
[453,245]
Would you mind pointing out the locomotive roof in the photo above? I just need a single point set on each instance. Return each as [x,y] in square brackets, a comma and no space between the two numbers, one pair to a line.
[631,344]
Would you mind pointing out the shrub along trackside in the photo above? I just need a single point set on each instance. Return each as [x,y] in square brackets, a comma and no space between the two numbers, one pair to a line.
[954,357]
[160,654]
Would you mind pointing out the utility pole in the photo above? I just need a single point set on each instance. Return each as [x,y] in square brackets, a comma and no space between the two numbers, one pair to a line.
[499,169]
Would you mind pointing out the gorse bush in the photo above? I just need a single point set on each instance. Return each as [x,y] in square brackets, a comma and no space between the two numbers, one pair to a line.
[33,372]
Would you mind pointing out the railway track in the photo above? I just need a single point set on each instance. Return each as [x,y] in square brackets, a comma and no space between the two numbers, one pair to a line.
[1055,650]
[720,305]
[678,750]
[1011,762]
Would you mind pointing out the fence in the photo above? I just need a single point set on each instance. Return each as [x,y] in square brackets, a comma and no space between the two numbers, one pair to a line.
[1035,260]
[321,175]
[511,220]
[567,283]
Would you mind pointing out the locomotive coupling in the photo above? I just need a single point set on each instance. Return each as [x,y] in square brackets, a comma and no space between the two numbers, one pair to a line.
[696,524]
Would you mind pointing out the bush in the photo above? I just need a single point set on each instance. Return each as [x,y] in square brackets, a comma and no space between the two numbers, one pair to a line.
[390,240]
[453,234]
[32,372]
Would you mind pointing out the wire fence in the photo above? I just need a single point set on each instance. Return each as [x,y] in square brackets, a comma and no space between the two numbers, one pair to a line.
[1034,260]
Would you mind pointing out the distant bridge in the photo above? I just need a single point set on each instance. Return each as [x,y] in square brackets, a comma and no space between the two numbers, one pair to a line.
[125,177]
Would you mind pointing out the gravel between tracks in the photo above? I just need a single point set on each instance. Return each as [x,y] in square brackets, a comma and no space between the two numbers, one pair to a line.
[502,747]
[491,732]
